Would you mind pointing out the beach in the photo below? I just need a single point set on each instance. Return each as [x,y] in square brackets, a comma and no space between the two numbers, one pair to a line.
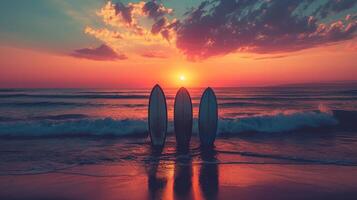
[109,173]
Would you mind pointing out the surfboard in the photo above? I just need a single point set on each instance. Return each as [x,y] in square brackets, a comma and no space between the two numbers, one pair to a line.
[157,116]
[208,117]
[183,118]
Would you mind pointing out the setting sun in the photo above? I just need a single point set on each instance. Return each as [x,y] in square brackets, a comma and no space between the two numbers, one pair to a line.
[182,78]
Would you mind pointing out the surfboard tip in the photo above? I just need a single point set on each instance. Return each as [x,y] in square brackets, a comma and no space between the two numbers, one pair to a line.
[182,89]
[157,86]
[209,88]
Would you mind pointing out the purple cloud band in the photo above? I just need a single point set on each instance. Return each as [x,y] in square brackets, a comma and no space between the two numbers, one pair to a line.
[218,27]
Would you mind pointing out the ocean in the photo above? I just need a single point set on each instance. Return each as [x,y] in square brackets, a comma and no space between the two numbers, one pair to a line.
[44,132]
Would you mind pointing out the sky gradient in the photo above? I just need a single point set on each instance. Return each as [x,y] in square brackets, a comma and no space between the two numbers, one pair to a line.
[119,44]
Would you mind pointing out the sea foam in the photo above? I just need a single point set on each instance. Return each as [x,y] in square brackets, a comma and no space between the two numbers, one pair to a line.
[278,122]
[78,126]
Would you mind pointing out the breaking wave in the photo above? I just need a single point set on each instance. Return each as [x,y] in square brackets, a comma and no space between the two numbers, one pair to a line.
[278,122]
[70,128]
[71,125]
[49,104]
[75,96]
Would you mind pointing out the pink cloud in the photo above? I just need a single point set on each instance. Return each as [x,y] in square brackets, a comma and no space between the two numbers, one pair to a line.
[102,52]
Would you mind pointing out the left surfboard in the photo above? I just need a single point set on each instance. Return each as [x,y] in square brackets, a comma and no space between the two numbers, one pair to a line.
[157,116]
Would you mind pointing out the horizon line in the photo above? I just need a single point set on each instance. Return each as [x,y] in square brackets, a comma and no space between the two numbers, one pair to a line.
[297,84]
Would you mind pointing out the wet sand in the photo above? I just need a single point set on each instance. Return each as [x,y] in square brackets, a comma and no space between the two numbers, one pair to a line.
[93,168]
[185,180]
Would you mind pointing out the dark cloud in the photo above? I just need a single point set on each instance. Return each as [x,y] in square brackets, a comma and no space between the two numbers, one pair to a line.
[164,27]
[158,26]
[128,15]
[124,11]
[161,24]
[102,52]
[155,10]
[218,27]
[335,6]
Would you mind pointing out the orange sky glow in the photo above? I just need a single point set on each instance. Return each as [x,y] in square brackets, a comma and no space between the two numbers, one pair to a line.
[30,68]
[144,48]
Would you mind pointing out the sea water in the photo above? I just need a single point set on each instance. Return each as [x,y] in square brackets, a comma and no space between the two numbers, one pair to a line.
[44,130]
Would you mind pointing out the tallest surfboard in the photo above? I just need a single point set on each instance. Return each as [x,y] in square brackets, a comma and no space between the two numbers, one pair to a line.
[157,116]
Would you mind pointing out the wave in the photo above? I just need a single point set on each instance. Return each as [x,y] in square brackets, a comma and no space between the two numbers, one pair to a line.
[81,125]
[278,122]
[119,95]
[45,117]
[252,104]
[43,104]
[239,104]
[73,128]
[62,117]
[116,92]
[294,159]
[10,90]
[74,96]
[281,99]
[89,104]
[348,92]
[7,119]
[71,104]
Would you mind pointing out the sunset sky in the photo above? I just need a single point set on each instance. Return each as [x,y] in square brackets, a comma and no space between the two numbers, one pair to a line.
[121,44]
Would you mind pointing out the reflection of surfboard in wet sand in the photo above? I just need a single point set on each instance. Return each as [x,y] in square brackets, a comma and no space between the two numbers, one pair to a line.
[183,118]
[157,116]
[208,118]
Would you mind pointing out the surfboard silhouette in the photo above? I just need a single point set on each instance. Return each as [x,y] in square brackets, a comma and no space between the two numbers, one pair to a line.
[208,118]
[183,118]
[157,116]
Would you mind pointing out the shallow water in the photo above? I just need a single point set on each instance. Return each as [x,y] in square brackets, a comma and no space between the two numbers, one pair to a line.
[128,168]
[37,156]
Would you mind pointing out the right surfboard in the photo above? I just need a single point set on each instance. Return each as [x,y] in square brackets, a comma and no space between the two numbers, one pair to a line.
[208,117]
[183,118]
[157,116]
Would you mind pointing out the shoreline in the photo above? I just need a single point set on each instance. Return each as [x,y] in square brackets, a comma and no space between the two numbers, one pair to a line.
[135,180]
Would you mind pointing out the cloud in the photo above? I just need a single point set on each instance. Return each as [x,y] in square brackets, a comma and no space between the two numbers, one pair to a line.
[219,27]
[155,10]
[165,28]
[103,33]
[134,27]
[270,57]
[120,15]
[128,16]
[102,52]
[154,54]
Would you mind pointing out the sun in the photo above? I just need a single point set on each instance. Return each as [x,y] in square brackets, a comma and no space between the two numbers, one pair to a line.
[182,77]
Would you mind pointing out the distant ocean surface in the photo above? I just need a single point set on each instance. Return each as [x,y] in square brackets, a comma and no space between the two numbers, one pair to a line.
[44,129]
